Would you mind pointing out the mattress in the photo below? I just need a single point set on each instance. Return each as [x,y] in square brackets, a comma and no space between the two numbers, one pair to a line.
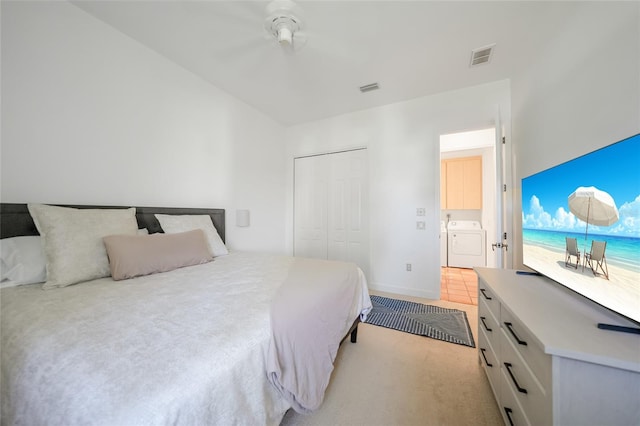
[182,347]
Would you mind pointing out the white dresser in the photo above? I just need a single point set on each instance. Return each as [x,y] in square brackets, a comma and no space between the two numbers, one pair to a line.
[545,358]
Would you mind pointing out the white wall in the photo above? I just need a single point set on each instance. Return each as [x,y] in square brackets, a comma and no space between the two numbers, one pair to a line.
[467,140]
[91,116]
[403,142]
[581,95]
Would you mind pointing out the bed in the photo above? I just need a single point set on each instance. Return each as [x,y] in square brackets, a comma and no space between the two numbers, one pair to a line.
[229,341]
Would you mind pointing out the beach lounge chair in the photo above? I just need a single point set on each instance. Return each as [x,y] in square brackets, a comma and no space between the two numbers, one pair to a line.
[572,250]
[596,259]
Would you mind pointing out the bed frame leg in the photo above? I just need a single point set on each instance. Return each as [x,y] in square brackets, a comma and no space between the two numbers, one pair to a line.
[353,331]
[354,334]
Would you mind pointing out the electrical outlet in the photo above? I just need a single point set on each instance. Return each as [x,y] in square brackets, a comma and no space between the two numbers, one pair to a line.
[420,211]
[408,267]
[420,225]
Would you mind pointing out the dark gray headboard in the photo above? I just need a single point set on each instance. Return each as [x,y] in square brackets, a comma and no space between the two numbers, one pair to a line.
[15,219]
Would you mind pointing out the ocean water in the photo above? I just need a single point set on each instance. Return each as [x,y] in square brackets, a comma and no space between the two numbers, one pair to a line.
[620,251]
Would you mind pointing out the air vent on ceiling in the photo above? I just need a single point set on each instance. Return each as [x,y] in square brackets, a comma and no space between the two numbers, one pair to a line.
[481,55]
[369,87]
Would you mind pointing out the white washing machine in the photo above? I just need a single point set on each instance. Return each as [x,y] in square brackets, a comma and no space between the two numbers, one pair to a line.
[443,244]
[467,244]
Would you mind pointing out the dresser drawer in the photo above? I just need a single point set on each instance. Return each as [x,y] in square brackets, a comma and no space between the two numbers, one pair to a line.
[490,361]
[487,295]
[534,399]
[488,320]
[511,410]
[527,347]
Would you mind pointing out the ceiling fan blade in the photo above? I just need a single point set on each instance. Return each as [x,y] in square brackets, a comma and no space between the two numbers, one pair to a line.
[242,13]
[237,48]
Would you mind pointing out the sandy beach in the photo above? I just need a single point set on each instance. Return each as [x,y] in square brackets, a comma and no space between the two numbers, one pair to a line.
[621,291]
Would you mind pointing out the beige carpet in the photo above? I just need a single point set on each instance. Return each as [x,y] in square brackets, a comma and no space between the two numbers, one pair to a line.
[395,378]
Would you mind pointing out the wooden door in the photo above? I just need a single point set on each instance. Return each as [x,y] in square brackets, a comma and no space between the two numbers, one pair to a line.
[462,183]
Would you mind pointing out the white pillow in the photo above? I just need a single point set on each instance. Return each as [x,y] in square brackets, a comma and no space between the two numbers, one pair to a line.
[172,224]
[72,240]
[23,261]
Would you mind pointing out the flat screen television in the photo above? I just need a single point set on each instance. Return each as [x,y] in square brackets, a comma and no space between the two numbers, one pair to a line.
[592,201]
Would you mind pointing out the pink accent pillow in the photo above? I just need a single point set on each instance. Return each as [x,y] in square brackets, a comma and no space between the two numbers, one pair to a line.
[135,255]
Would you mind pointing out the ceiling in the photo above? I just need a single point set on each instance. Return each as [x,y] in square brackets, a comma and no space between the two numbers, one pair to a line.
[411,48]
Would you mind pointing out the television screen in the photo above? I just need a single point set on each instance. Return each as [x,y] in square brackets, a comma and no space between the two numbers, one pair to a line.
[581,225]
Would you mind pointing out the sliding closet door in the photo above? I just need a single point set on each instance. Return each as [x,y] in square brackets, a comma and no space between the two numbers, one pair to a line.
[331,207]
[348,208]
[310,207]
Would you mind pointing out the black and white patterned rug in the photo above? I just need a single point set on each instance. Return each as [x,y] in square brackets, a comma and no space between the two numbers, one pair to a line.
[450,325]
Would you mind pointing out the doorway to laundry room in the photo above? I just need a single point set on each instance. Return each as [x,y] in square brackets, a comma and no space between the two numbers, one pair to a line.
[468,211]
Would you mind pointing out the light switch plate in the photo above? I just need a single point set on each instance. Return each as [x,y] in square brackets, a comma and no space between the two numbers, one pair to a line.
[420,211]
[420,224]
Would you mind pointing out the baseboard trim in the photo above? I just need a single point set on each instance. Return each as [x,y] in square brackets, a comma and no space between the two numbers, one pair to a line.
[406,291]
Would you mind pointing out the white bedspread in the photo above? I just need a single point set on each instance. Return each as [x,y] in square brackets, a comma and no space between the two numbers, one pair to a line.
[183,347]
[311,313]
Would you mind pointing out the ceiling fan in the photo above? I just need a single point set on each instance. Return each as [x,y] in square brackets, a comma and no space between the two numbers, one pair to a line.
[254,32]
[284,22]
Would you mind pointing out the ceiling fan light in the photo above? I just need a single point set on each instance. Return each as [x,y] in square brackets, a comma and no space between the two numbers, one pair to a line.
[285,35]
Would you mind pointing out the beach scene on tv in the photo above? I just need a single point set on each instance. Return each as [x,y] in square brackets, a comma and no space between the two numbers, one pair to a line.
[581,225]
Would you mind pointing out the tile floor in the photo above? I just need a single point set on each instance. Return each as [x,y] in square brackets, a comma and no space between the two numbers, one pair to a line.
[459,285]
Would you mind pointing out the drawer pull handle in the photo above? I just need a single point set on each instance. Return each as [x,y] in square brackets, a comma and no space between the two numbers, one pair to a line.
[485,358]
[482,290]
[508,412]
[513,378]
[513,333]
[485,324]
